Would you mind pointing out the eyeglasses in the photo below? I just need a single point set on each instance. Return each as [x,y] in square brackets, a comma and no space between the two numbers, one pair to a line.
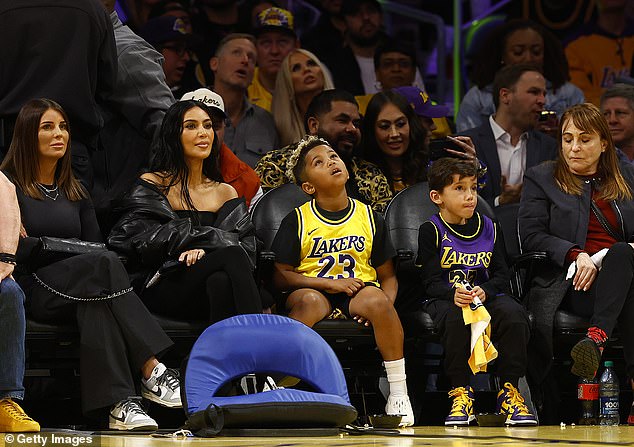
[402,63]
[180,51]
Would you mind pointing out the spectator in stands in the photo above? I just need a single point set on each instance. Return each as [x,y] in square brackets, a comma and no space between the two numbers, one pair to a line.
[463,264]
[328,32]
[428,113]
[592,264]
[234,171]
[250,131]
[395,67]
[518,41]
[301,77]
[356,276]
[76,31]
[274,39]
[92,289]
[132,117]
[182,211]
[168,35]
[602,50]
[213,20]
[617,105]
[508,144]
[248,12]
[334,116]
[395,140]
[138,12]
[176,8]
[12,318]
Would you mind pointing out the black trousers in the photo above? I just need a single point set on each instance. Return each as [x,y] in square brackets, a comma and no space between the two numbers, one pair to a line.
[117,337]
[610,299]
[510,331]
[218,286]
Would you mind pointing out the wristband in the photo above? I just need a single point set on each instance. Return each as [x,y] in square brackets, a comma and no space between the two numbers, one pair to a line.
[8,258]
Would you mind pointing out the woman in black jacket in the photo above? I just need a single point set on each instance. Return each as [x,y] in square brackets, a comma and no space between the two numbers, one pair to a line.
[91,289]
[580,210]
[182,212]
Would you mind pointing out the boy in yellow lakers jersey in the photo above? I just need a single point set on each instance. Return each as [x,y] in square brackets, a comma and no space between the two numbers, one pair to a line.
[463,257]
[335,251]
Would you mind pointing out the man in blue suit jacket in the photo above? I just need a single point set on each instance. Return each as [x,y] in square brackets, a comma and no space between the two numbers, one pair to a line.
[508,143]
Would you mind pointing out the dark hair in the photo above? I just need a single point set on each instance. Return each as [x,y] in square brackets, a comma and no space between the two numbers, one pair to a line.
[322,103]
[507,77]
[393,46]
[21,162]
[489,59]
[625,91]
[169,158]
[441,172]
[416,155]
[303,148]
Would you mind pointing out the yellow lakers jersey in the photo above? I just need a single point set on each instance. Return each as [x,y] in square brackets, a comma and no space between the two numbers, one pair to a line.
[336,249]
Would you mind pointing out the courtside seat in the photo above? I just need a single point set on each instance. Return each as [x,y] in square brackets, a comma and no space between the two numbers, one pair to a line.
[267,215]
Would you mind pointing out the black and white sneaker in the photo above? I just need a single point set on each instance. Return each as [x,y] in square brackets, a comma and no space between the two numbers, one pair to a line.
[128,414]
[163,387]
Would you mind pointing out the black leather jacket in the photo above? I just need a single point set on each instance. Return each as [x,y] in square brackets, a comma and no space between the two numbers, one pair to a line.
[149,232]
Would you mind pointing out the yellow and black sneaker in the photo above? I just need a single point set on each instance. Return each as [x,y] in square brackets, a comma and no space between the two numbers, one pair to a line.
[511,403]
[462,407]
[14,419]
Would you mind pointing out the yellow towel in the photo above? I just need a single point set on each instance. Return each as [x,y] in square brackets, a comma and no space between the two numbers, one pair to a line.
[482,350]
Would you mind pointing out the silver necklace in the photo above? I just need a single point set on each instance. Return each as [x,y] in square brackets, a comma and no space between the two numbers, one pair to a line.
[49,192]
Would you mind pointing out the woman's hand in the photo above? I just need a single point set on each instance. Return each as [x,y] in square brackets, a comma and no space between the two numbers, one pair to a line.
[467,145]
[23,231]
[585,274]
[190,257]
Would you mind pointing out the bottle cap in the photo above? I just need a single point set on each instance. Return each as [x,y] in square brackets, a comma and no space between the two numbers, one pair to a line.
[608,364]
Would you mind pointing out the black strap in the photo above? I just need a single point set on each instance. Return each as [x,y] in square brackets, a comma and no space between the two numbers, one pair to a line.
[615,234]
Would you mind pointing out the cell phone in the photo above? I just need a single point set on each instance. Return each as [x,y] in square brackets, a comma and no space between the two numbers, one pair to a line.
[438,148]
[165,269]
[547,115]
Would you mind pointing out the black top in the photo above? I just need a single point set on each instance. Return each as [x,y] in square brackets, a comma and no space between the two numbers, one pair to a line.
[286,244]
[59,218]
[205,218]
[429,259]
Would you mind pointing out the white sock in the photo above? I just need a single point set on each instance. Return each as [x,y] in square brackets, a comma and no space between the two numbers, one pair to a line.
[396,377]
[156,372]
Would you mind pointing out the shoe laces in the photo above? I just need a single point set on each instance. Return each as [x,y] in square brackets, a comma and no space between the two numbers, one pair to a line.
[461,399]
[597,335]
[514,399]
[14,410]
[170,378]
[133,405]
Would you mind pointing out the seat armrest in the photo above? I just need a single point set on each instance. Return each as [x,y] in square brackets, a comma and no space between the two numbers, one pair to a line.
[266,256]
[404,254]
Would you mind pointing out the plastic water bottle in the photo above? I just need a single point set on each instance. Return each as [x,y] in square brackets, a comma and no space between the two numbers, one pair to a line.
[588,396]
[609,396]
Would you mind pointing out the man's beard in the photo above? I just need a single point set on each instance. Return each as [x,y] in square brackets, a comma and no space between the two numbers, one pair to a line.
[365,42]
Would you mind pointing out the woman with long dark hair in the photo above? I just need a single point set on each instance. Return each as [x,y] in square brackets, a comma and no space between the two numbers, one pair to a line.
[182,212]
[394,139]
[91,289]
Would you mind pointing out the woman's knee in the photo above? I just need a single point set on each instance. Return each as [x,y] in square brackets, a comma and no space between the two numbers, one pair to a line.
[234,257]
[620,252]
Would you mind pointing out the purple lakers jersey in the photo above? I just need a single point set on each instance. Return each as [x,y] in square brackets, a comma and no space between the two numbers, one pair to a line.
[465,257]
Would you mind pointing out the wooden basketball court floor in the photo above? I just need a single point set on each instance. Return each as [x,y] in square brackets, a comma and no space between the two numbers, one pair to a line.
[418,436]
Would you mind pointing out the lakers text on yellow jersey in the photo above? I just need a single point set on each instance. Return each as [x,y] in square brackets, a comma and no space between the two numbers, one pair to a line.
[336,249]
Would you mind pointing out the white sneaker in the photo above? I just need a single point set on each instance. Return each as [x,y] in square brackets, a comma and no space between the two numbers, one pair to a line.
[163,387]
[129,415]
[401,405]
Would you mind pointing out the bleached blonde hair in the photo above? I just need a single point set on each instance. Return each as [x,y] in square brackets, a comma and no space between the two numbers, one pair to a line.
[288,120]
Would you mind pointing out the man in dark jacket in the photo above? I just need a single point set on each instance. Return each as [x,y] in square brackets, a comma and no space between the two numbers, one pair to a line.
[62,50]
[508,144]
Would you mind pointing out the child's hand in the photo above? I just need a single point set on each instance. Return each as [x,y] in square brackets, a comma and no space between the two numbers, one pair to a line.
[349,286]
[480,293]
[462,297]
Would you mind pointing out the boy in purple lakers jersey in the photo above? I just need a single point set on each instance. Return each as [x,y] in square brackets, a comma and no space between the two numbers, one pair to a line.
[457,247]
[335,252]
